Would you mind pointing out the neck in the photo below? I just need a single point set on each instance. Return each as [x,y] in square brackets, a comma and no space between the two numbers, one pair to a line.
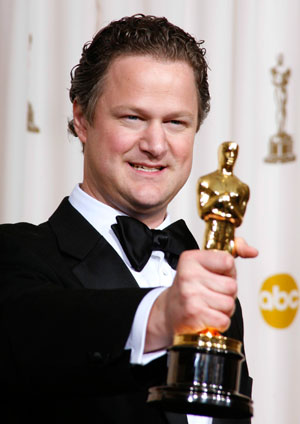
[151,218]
[226,170]
[152,221]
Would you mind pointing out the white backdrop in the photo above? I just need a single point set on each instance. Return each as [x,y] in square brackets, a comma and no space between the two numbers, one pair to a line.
[40,41]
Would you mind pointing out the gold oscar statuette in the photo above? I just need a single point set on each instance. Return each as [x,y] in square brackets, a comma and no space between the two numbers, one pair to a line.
[281,143]
[204,368]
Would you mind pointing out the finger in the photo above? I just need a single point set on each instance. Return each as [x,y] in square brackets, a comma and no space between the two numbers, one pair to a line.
[243,249]
[220,302]
[218,262]
[225,285]
[198,287]
[211,291]
[213,319]
[217,320]
[218,283]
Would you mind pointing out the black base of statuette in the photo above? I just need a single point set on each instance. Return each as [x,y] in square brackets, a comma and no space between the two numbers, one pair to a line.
[203,379]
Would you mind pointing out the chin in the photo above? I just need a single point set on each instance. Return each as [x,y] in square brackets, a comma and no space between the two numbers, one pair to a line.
[146,207]
[144,204]
[145,200]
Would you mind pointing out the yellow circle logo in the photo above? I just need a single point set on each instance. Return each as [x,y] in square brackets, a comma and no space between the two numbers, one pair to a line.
[279,300]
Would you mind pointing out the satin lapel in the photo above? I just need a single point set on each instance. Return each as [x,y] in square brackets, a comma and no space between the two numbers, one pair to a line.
[94,262]
[104,269]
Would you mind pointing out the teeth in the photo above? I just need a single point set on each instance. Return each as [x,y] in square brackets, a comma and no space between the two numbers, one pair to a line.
[145,168]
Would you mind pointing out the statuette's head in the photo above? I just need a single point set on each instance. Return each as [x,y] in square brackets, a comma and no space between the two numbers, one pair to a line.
[228,152]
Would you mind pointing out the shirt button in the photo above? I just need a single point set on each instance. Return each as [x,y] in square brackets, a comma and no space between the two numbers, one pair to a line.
[165,272]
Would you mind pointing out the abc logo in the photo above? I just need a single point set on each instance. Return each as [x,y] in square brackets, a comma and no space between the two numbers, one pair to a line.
[279,300]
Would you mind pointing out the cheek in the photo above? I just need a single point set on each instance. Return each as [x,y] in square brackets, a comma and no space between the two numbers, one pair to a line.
[118,142]
[184,152]
[185,160]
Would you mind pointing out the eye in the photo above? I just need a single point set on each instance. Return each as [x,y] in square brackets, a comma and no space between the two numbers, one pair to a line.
[176,124]
[132,121]
[132,117]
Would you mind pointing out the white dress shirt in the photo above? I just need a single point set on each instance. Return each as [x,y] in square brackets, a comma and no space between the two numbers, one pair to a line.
[157,273]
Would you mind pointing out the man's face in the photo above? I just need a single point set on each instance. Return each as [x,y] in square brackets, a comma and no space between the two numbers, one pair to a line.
[138,151]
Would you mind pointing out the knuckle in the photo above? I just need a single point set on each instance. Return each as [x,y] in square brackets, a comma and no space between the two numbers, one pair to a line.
[224,323]
[232,287]
[185,289]
[187,255]
[191,307]
[224,307]
[193,310]
[230,305]
[229,261]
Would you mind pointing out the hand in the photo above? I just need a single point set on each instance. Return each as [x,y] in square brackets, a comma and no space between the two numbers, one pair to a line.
[202,296]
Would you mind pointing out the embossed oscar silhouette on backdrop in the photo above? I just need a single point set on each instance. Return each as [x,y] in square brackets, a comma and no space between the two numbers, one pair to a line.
[281,143]
[204,368]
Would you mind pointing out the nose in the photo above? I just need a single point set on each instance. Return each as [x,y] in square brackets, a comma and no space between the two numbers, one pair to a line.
[153,140]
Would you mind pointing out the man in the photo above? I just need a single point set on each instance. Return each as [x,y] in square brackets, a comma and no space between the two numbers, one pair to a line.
[84,327]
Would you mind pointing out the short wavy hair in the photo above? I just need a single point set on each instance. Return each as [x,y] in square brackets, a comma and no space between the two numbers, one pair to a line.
[135,35]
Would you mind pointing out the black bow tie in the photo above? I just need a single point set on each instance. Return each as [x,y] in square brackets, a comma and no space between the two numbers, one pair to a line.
[138,241]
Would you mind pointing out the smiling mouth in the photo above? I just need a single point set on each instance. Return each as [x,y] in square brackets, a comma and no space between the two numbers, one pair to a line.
[146,168]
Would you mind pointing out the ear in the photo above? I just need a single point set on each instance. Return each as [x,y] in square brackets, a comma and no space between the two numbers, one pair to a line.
[80,122]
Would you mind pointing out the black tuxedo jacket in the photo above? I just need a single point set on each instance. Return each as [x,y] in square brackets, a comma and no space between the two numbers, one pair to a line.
[67,303]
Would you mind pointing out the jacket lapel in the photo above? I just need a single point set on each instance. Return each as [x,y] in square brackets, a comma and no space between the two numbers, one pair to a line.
[104,269]
[92,259]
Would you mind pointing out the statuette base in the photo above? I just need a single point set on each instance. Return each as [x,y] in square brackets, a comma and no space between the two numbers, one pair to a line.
[280,149]
[203,378]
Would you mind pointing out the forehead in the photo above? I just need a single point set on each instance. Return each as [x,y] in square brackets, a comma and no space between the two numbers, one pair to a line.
[145,57]
[131,63]
[229,148]
[148,75]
